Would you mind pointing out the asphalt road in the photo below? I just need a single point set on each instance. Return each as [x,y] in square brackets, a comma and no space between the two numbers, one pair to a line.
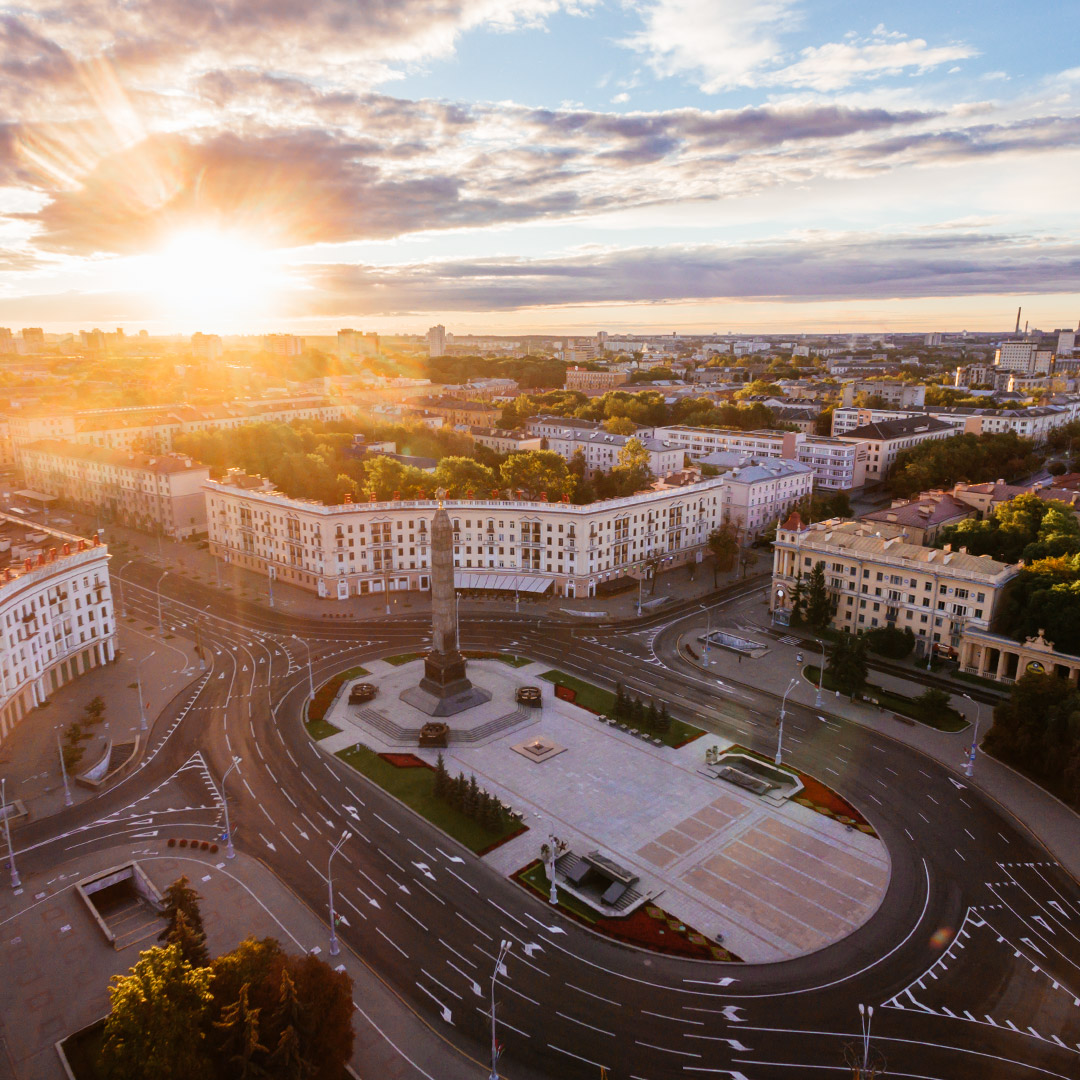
[972,963]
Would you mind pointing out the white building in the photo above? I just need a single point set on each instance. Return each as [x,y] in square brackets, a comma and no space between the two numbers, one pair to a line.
[505,442]
[436,340]
[758,493]
[354,343]
[156,493]
[56,614]
[1024,357]
[903,395]
[206,346]
[837,465]
[501,545]
[601,450]
[282,344]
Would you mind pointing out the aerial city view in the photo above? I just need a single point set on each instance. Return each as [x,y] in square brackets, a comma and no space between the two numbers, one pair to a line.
[539,540]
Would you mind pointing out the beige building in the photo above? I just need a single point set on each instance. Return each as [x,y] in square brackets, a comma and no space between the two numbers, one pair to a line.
[993,656]
[878,581]
[499,545]
[920,520]
[601,450]
[155,493]
[758,493]
[885,440]
[505,442]
[460,413]
[583,379]
[56,614]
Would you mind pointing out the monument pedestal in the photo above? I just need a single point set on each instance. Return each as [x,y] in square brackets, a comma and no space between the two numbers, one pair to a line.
[444,690]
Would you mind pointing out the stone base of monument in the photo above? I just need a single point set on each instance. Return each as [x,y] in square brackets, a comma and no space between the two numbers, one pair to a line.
[447,701]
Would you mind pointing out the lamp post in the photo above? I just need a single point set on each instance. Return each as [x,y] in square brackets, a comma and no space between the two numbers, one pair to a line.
[346,835]
[820,677]
[230,851]
[270,581]
[708,632]
[138,684]
[15,882]
[310,680]
[496,1051]
[120,583]
[866,1016]
[157,589]
[780,722]
[969,765]
[63,771]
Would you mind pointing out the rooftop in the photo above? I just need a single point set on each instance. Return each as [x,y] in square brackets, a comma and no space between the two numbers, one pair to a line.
[156,463]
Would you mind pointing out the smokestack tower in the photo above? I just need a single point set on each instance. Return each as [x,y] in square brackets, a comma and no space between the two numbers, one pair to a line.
[1017,330]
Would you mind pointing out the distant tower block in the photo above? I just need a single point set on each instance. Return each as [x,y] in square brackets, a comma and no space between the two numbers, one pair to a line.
[445,689]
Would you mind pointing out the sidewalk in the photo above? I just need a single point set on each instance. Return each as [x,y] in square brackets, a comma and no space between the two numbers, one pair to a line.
[58,964]
[30,757]
[186,559]
[1054,823]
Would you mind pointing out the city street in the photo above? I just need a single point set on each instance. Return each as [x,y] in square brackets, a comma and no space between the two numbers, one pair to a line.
[972,961]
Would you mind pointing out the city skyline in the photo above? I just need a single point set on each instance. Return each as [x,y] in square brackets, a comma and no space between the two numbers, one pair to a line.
[538,167]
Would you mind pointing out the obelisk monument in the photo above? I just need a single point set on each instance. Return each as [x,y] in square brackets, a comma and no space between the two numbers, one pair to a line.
[445,689]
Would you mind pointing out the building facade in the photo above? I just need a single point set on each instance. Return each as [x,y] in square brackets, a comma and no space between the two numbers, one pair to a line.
[158,494]
[885,440]
[901,394]
[583,379]
[601,450]
[505,442]
[757,494]
[56,614]
[362,548]
[878,581]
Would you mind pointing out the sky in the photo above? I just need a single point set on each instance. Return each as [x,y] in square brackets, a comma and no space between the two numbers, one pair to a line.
[539,166]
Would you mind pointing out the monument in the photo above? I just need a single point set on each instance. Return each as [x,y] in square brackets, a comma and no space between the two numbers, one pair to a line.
[445,688]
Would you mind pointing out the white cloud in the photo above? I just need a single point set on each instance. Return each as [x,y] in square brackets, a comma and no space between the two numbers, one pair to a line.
[724,44]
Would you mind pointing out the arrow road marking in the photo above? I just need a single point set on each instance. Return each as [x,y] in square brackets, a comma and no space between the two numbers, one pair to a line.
[449,858]
[711,982]
[268,844]
[957,784]
[423,868]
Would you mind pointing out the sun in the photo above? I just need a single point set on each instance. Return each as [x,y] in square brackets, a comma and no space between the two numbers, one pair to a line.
[211,278]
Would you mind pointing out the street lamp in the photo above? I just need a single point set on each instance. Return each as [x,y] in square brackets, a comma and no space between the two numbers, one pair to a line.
[230,852]
[496,1050]
[138,683]
[708,631]
[866,1016]
[780,722]
[310,681]
[969,765]
[346,835]
[820,677]
[63,770]
[120,583]
[157,589]
[15,882]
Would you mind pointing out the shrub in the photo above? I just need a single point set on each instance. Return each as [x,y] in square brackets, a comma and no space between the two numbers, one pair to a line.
[891,642]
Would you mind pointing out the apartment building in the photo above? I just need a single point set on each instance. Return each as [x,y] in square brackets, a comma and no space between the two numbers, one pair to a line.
[885,440]
[759,492]
[878,581]
[1025,357]
[455,412]
[837,465]
[505,442]
[155,493]
[601,450]
[901,394]
[583,379]
[56,614]
[499,545]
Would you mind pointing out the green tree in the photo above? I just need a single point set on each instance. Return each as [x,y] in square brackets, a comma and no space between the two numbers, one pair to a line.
[932,703]
[95,710]
[798,600]
[181,897]
[891,642]
[663,724]
[441,783]
[637,713]
[819,606]
[619,425]
[652,716]
[287,1061]
[154,1030]
[723,543]
[238,1041]
[536,472]
[460,475]
[190,942]
[847,664]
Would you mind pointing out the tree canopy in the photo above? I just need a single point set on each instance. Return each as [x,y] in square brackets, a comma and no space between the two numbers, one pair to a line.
[1026,527]
[936,463]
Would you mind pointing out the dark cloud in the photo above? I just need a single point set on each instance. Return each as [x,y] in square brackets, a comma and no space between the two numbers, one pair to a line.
[817,269]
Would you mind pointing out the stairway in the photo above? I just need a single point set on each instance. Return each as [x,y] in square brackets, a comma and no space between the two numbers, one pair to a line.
[410,736]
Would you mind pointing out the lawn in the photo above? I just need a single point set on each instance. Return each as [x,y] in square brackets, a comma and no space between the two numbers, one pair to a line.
[324,696]
[415,788]
[404,658]
[602,702]
[950,720]
[321,729]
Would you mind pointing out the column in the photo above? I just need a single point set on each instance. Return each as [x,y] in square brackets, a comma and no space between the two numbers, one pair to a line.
[1003,658]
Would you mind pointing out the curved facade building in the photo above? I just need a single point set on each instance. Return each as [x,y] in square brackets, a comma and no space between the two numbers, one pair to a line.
[56,613]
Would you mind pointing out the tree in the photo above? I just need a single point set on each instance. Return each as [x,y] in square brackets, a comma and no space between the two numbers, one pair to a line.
[154,1030]
[472,797]
[287,1060]
[441,785]
[663,723]
[723,543]
[95,710]
[619,425]
[181,897]
[798,600]
[239,1044]
[652,717]
[620,706]
[190,942]
[460,475]
[932,702]
[637,713]
[633,455]
[891,642]
[847,664]
[819,606]
[537,472]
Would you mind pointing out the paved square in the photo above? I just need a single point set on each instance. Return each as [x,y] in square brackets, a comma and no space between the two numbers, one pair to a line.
[777,882]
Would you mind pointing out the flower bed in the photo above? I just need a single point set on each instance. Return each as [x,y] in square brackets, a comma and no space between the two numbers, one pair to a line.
[406,761]
[326,693]
[647,927]
[821,799]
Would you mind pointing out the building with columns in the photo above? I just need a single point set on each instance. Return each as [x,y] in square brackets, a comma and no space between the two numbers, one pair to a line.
[1004,660]
[56,613]
[877,581]
[355,549]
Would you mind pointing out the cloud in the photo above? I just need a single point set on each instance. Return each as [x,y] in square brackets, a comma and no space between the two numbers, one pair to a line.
[725,44]
[815,268]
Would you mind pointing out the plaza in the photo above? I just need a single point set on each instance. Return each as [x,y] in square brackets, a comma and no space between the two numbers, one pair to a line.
[776,880]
